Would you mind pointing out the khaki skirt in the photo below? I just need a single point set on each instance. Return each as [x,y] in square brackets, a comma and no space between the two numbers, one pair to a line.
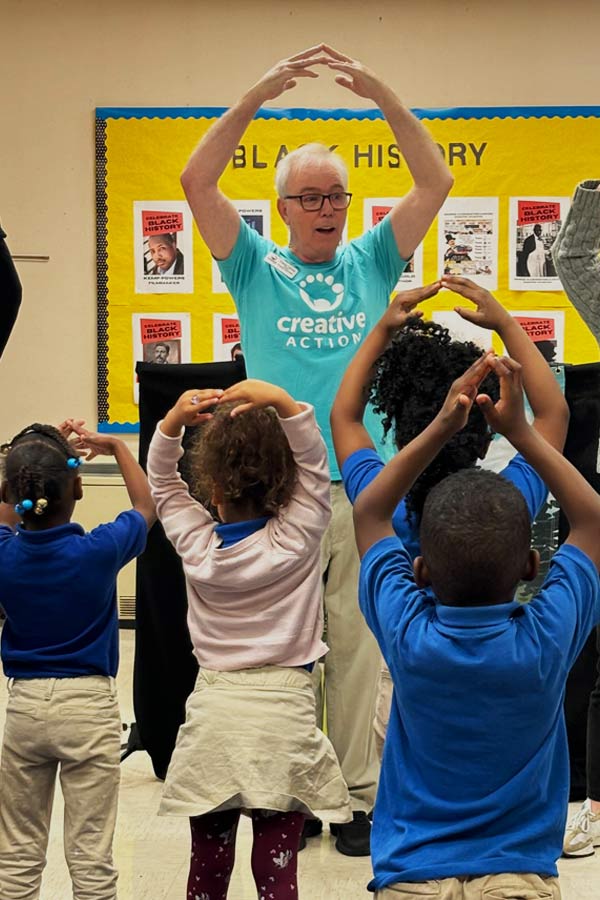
[250,741]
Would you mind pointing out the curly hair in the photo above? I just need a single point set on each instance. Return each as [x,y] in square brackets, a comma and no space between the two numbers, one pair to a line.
[247,456]
[35,466]
[409,387]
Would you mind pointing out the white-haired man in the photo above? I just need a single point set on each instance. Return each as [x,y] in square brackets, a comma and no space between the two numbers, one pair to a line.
[303,311]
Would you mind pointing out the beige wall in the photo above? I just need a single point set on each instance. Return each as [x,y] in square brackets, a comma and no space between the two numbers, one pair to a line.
[62,58]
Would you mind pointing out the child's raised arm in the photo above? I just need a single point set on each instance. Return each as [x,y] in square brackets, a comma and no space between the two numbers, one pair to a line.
[349,433]
[549,407]
[375,506]
[577,499]
[133,474]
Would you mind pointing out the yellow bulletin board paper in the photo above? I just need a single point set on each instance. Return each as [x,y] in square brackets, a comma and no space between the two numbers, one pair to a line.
[497,153]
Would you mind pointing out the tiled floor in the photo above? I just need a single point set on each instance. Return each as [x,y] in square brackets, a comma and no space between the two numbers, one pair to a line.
[152,852]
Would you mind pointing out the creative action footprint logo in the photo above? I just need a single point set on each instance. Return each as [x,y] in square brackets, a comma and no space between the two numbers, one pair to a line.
[322,304]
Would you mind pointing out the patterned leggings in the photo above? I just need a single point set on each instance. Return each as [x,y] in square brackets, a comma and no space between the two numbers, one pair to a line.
[274,854]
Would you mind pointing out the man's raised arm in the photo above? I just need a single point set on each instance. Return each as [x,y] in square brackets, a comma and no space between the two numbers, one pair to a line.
[414,213]
[217,218]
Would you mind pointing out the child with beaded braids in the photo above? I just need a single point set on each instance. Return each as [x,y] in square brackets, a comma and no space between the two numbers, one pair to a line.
[406,365]
[250,740]
[60,652]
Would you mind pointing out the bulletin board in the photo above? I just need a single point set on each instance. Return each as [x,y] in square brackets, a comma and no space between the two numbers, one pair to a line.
[160,296]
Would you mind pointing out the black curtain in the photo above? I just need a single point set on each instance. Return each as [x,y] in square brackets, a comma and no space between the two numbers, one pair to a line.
[164,667]
[582,391]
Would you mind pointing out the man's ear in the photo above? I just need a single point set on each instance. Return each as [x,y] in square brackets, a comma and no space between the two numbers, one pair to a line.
[421,572]
[532,566]
[282,209]
[77,488]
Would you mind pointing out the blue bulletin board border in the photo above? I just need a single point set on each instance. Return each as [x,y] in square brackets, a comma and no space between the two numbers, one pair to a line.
[457,112]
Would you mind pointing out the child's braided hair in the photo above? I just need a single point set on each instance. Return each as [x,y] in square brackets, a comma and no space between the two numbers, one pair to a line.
[36,468]
[410,385]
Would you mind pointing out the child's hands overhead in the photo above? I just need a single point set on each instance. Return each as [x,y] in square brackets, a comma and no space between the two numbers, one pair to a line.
[461,396]
[489,313]
[191,409]
[255,394]
[90,444]
[70,429]
[507,415]
[403,305]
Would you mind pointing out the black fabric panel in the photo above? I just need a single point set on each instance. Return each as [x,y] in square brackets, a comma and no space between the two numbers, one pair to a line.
[164,667]
[582,391]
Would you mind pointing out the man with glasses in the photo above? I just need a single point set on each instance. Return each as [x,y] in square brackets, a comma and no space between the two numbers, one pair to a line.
[304,309]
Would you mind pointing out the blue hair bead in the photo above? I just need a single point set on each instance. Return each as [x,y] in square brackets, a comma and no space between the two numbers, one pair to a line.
[27,505]
[74,462]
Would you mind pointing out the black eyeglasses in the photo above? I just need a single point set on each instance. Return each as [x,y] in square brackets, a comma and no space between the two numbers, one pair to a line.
[314,202]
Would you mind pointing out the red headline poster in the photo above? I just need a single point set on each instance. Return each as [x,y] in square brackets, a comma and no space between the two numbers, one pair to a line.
[161,222]
[230,331]
[153,330]
[538,329]
[530,212]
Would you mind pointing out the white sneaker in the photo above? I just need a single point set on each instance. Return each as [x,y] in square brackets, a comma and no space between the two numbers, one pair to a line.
[582,833]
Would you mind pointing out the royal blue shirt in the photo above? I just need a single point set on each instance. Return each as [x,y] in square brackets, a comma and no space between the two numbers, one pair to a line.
[58,589]
[362,466]
[474,777]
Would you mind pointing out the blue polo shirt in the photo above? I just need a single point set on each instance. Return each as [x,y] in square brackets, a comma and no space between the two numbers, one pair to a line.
[474,777]
[301,323]
[58,589]
[364,465]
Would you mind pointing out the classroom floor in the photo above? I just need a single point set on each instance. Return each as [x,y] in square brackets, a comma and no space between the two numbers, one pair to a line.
[152,853]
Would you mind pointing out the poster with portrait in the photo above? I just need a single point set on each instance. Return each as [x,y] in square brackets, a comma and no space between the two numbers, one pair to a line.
[534,223]
[374,210]
[468,239]
[162,242]
[256,214]
[160,338]
[226,337]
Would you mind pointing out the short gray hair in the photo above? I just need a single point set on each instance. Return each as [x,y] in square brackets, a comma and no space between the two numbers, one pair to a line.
[302,154]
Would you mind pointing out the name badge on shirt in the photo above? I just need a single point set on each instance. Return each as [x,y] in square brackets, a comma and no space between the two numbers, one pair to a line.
[282,265]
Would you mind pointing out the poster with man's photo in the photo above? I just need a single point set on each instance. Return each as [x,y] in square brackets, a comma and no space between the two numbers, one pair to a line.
[468,239]
[227,345]
[534,223]
[257,215]
[162,241]
[160,338]
[374,210]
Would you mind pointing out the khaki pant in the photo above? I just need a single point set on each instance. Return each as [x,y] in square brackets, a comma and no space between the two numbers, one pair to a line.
[71,725]
[353,662]
[385,690]
[488,887]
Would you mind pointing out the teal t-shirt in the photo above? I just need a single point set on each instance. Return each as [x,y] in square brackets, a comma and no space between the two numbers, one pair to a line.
[301,323]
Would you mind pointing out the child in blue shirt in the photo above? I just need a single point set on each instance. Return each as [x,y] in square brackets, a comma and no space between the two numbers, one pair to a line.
[407,365]
[60,652]
[473,791]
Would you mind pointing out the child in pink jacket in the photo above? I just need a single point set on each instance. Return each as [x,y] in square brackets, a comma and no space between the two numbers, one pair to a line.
[250,740]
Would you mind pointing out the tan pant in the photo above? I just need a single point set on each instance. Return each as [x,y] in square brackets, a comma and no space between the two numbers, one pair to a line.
[73,725]
[385,689]
[353,662]
[488,887]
